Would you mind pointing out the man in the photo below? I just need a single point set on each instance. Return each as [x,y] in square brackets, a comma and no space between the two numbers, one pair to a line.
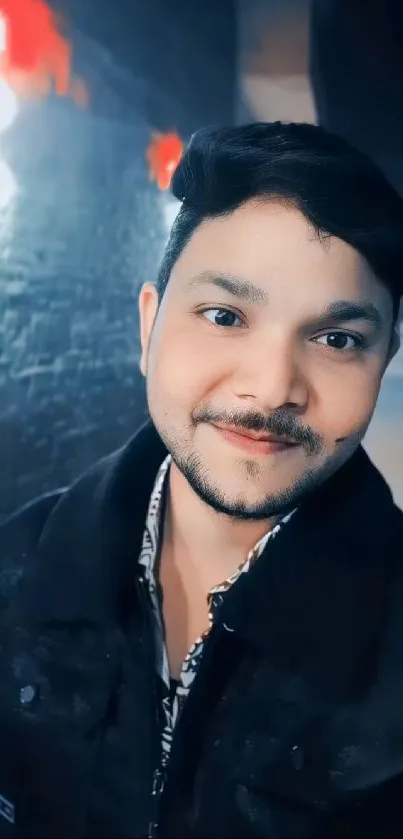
[203,636]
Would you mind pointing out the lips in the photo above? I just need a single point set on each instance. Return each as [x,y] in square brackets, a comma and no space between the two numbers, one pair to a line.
[255,442]
[259,436]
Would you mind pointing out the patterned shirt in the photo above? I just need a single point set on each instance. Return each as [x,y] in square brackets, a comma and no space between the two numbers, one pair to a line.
[172,701]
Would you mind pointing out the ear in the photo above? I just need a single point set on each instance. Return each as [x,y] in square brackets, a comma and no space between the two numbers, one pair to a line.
[394,343]
[148,307]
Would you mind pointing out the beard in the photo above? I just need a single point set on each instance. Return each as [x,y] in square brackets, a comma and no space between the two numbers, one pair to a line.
[272,504]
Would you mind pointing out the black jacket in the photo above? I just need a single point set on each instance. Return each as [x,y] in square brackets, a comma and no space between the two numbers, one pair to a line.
[294,724]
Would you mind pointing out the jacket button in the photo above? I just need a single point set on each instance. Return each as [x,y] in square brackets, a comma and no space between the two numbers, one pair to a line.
[28,694]
[297,758]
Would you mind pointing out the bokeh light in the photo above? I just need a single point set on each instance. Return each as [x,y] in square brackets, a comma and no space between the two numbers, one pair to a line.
[8,105]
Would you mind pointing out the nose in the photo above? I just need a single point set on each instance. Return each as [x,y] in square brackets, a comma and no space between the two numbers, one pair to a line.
[270,375]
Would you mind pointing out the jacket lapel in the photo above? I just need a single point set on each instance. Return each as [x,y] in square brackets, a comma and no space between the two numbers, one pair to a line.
[85,565]
[316,599]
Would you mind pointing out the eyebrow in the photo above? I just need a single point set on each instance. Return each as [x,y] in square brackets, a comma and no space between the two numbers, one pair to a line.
[243,289]
[340,311]
[345,311]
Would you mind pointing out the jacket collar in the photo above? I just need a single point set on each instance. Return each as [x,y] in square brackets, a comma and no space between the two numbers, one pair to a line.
[85,564]
[320,597]
[336,551]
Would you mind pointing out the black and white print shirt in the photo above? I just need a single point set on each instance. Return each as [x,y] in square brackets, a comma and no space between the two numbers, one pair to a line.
[172,701]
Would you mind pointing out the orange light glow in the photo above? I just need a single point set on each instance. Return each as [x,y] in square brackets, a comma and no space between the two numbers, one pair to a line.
[35,58]
[163,155]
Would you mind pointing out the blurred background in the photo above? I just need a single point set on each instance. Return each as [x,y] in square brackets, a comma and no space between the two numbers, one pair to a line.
[95,101]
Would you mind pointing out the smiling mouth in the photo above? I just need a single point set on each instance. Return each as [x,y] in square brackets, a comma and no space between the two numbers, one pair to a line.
[255,441]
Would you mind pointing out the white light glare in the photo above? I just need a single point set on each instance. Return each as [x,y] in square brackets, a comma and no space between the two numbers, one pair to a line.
[3,34]
[8,186]
[171,208]
[8,105]
[8,99]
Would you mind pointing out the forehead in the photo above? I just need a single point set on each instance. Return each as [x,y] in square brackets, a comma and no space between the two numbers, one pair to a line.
[274,246]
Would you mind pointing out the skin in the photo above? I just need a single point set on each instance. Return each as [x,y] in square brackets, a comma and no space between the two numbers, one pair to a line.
[270,361]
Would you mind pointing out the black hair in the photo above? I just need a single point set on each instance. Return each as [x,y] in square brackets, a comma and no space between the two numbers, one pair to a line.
[339,189]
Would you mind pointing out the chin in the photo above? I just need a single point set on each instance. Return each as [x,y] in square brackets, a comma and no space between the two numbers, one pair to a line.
[252,500]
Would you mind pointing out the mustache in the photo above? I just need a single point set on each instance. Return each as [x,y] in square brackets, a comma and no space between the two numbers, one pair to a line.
[280,422]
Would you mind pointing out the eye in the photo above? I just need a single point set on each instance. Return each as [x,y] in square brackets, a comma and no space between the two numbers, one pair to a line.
[222,317]
[340,341]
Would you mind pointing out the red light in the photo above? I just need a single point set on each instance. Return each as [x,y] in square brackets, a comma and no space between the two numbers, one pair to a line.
[164,154]
[36,57]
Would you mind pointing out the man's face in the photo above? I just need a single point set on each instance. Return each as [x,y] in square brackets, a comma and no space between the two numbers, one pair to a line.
[269,330]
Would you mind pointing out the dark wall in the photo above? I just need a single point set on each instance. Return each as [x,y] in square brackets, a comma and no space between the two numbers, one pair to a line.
[357,75]
[172,61]
[86,227]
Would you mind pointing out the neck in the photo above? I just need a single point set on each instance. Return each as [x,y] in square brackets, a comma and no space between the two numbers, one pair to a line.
[214,544]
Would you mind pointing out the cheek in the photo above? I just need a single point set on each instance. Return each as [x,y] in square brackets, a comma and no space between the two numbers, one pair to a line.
[348,402]
[180,369]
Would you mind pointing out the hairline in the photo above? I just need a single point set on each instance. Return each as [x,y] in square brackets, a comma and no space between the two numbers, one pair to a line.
[259,199]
